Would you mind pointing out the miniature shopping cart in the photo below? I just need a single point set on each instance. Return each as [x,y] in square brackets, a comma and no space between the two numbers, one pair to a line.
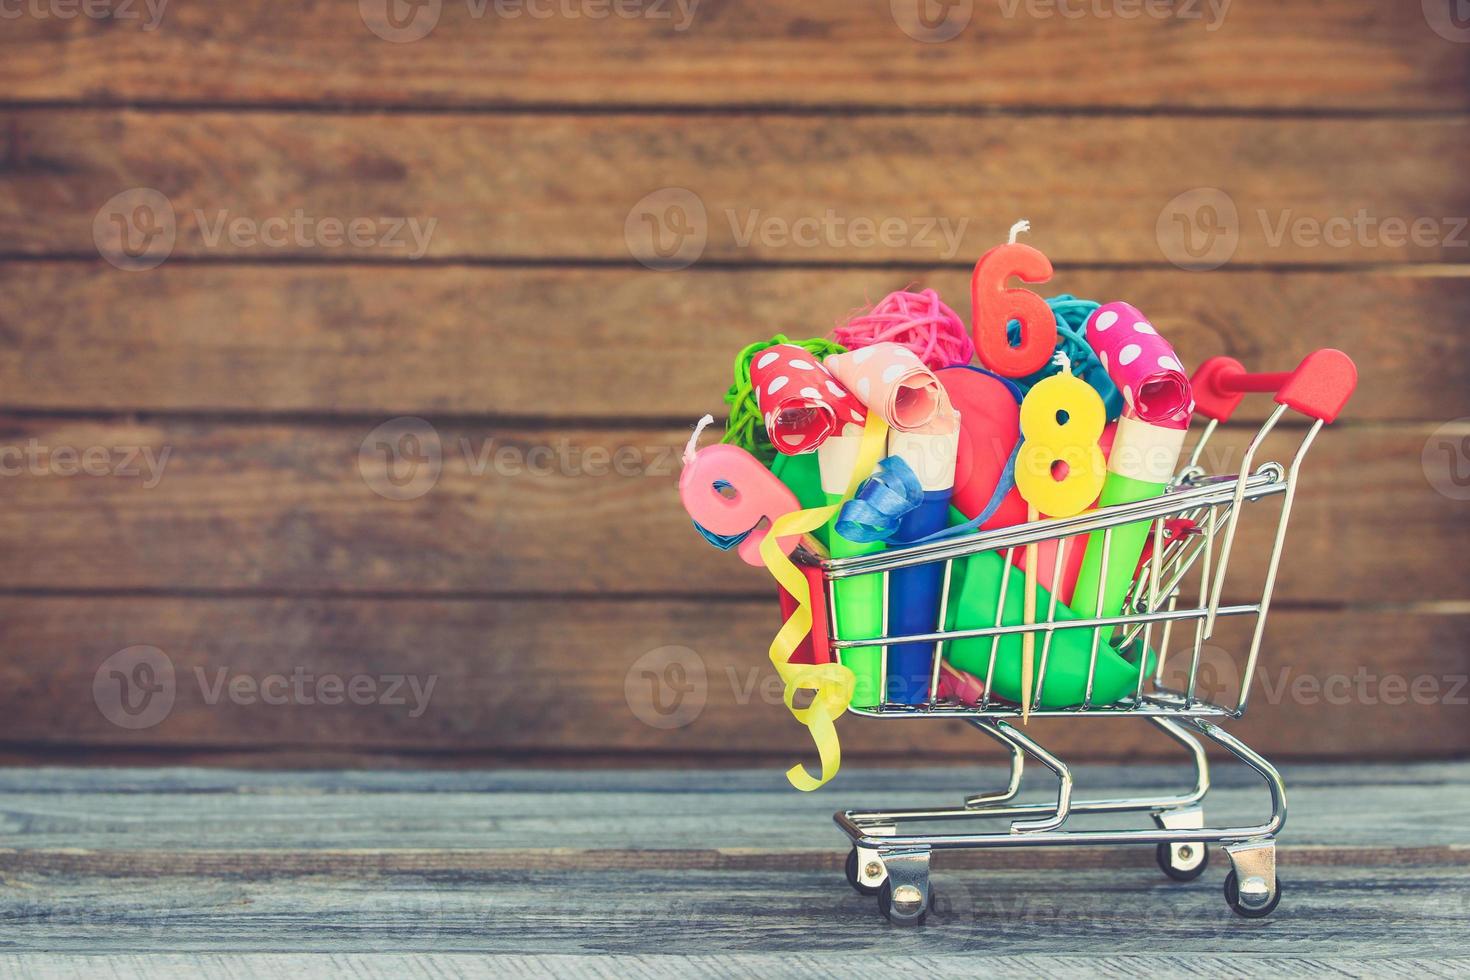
[1177,591]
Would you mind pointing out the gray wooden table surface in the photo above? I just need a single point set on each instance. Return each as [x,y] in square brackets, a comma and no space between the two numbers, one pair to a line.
[192,872]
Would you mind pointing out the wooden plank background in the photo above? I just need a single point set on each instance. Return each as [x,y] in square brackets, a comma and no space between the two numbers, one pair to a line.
[235,523]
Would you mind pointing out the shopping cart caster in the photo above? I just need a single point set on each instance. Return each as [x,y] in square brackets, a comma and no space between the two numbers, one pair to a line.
[1183,862]
[1186,861]
[865,871]
[912,912]
[1252,889]
[1258,892]
[905,898]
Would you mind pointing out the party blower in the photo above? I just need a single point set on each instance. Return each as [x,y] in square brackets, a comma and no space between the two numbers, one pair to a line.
[914,600]
[894,384]
[1158,404]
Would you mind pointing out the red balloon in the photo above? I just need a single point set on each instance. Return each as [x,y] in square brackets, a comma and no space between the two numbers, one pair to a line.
[990,424]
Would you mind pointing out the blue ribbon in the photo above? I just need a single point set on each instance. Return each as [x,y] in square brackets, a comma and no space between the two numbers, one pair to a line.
[998,495]
[893,490]
[881,502]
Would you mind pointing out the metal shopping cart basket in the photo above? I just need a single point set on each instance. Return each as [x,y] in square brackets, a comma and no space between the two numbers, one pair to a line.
[1192,533]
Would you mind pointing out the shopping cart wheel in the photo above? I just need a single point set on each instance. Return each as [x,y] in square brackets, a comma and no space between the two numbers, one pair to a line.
[859,869]
[1252,910]
[885,905]
[1183,862]
[905,896]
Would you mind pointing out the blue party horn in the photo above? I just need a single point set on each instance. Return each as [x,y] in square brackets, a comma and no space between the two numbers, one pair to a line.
[914,593]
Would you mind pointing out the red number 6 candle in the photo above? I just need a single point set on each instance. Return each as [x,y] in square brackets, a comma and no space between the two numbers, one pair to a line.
[995,306]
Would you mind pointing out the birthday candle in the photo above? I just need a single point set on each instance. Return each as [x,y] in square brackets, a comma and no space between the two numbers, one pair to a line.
[995,306]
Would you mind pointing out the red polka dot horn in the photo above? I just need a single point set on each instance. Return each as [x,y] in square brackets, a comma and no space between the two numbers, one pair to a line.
[1157,404]
[801,402]
[1143,366]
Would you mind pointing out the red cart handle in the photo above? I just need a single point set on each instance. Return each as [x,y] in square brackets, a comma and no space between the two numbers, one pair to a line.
[1319,387]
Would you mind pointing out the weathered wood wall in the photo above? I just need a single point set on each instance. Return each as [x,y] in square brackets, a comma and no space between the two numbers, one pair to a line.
[556,374]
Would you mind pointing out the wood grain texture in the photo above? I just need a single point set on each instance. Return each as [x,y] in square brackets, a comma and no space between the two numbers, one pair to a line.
[661,966]
[356,865]
[1298,54]
[711,913]
[528,186]
[226,506]
[622,343]
[187,821]
[523,680]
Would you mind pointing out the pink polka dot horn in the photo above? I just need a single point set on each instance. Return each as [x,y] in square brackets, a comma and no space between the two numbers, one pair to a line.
[1143,366]
[801,402]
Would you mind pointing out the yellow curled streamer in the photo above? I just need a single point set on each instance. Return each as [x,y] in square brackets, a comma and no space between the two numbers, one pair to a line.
[831,684]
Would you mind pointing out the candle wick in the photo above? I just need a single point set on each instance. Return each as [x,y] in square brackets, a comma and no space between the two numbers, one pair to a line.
[694,439]
[1018,228]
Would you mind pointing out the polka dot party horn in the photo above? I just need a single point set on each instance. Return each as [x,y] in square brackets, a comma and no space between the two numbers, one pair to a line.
[1157,404]
[1142,364]
[891,380]
[800,401]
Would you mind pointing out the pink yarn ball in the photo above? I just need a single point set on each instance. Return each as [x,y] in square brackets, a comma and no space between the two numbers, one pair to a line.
[919,321]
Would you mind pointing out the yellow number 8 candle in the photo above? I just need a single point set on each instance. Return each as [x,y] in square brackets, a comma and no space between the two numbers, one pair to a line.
[1062,419]
[1059,471]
